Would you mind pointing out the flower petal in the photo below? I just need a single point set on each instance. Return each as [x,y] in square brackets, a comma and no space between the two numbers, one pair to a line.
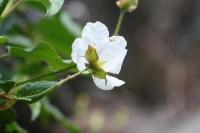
[109,83]
[79,48]
[95,32]
[113,53]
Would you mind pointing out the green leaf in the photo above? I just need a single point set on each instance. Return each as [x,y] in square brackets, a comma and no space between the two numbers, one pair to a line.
[20,41]
[52,6]
[55,31]
[5,71]
[3,3]
[3,40]
[36,90]
[7,85]
[35,110]
[59,116]
[42,52]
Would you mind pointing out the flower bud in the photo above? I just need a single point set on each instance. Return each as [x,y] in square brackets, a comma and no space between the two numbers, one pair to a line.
[127,5]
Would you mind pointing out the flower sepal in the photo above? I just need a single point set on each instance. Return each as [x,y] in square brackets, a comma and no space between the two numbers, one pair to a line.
[99,73]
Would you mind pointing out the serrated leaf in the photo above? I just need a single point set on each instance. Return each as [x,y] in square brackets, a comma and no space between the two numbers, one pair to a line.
[35,110]
[7,85]
[36,90]
[52,6]
[3,40]
[42,52]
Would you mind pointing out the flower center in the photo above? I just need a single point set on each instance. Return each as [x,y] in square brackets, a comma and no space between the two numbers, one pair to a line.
[94,63]
[97,65]
[93,58]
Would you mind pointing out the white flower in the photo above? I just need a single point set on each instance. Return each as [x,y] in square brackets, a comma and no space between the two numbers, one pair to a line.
[107,54]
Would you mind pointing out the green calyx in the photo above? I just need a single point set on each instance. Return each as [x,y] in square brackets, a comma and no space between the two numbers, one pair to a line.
[94,63]
[100,73]
[91,54]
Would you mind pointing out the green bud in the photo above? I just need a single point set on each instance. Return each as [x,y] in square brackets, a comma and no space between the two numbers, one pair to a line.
[91,54]
[127,5]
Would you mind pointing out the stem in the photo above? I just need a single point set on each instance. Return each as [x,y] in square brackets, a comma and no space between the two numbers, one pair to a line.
[119,22]
[11,5]
[70,77]
[4,55]
[44,75]
[21,99]
[57,85]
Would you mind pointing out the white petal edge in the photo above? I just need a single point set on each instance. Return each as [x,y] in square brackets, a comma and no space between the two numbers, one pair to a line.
[109,83]
[113,53]
[78,52]
[95,32]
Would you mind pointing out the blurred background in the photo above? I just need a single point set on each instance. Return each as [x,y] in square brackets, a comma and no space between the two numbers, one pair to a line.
[161,70]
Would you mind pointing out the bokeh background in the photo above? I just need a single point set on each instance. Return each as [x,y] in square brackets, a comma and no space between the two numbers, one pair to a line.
[161,70]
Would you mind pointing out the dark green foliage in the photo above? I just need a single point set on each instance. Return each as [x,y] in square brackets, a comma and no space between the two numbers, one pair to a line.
[36,90]
[37,51]
[6,86]
[42,52]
